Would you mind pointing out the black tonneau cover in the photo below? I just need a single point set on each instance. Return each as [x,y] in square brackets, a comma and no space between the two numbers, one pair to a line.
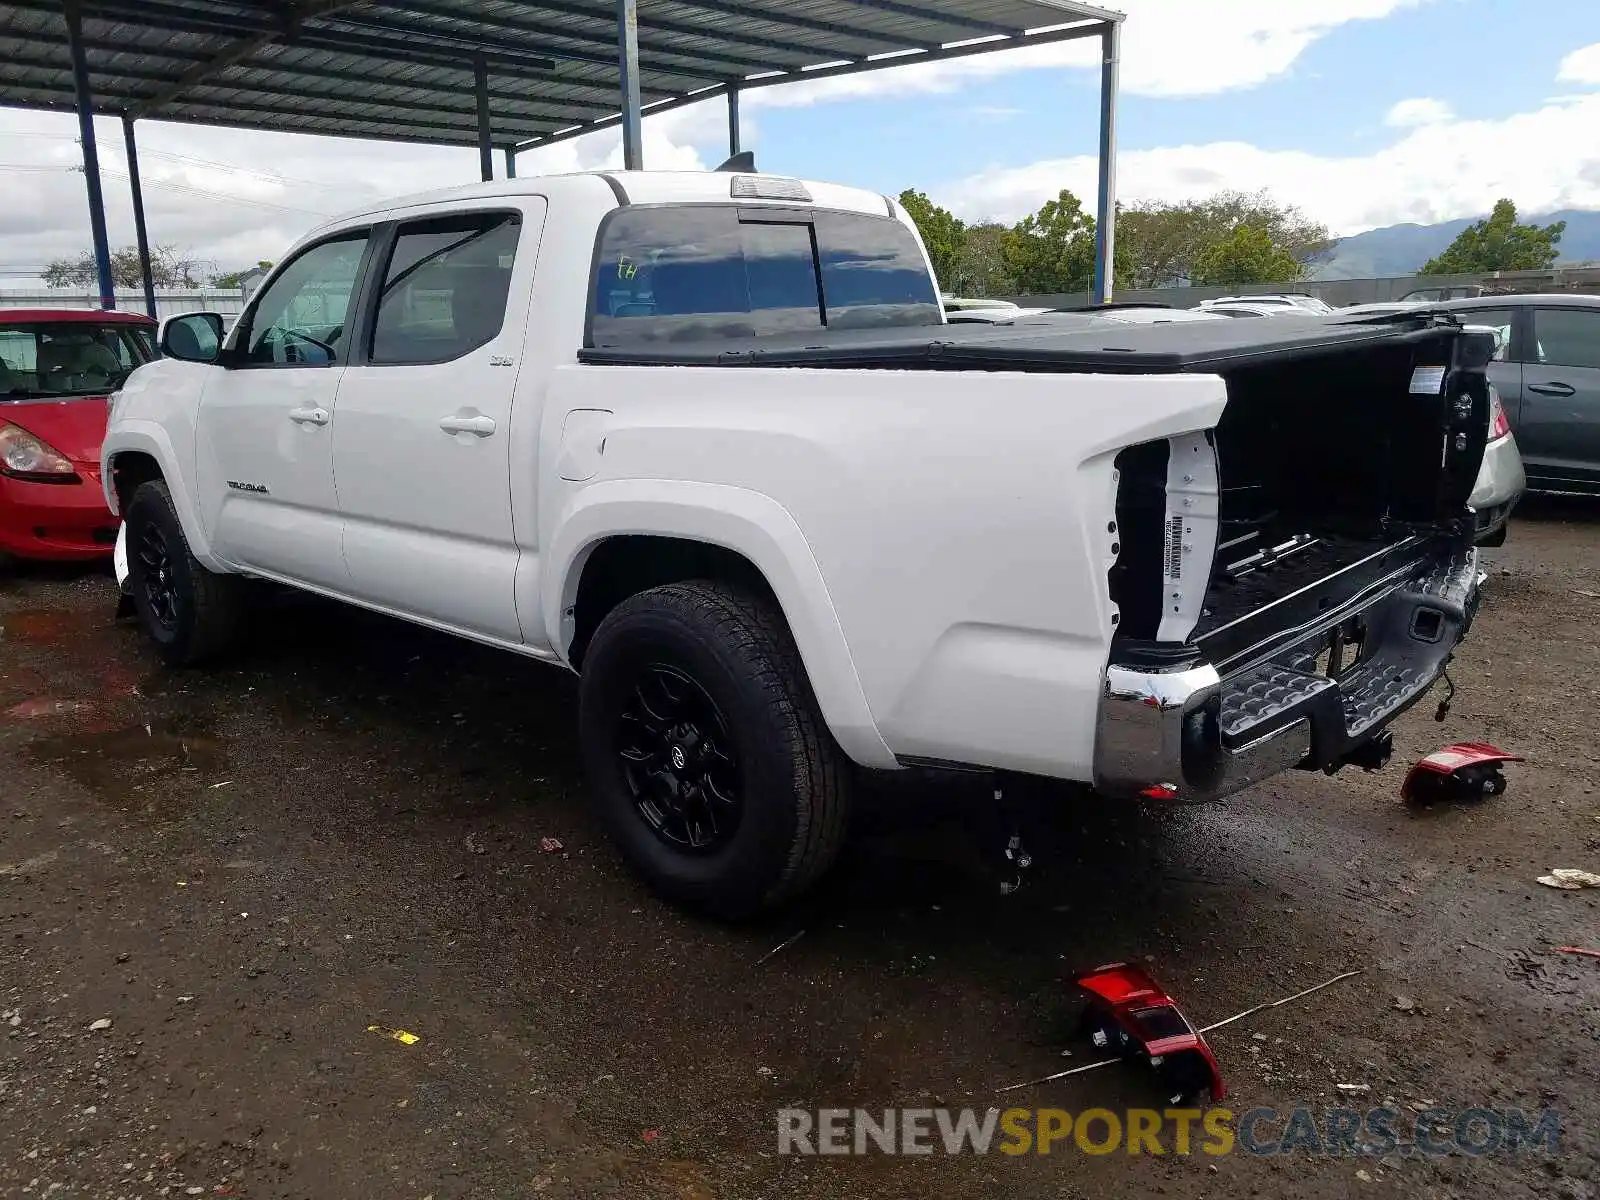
[1070,342]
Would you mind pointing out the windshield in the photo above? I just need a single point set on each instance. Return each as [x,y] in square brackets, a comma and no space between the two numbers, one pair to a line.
[51,360]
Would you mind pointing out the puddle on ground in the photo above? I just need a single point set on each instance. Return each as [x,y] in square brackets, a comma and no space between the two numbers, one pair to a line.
[47,625]
[46,706]
[143,768]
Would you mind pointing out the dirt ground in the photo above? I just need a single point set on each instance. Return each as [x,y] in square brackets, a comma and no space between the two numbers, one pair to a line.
[243,869]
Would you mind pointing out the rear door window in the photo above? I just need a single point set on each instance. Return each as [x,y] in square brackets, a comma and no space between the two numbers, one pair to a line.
[445,288]
[673,273]
[1566,337]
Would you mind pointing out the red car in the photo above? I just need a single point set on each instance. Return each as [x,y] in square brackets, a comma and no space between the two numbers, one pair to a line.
[58,368]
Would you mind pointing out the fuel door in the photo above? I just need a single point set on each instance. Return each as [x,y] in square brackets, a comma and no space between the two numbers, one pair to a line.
[583,443]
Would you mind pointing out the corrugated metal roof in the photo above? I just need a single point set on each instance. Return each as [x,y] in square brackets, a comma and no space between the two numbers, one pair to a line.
[404,69]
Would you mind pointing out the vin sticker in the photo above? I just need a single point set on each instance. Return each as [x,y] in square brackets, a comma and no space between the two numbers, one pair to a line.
[1427,381]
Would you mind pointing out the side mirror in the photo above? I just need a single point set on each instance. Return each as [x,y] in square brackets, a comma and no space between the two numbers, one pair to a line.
[192,337]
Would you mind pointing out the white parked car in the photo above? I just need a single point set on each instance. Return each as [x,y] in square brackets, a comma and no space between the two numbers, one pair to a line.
[1284,300]
[705,439]
[1247,308]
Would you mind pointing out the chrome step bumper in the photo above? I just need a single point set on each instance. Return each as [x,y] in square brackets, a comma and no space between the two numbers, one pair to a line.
[1191,734]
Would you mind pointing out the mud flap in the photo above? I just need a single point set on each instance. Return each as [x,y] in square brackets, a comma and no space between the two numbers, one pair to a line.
[119,563]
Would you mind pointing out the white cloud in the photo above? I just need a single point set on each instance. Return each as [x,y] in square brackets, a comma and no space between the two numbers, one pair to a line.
[231,197]
[1424,110]
[1581,66]
[1545,159]
[1169,48]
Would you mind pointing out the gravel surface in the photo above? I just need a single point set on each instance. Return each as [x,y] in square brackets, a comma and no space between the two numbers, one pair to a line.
[222,891]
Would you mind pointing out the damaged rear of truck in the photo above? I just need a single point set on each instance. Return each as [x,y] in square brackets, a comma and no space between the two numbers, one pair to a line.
[1297,577]
[1281,584]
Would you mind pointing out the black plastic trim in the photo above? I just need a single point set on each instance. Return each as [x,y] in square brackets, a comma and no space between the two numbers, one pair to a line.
[1396,669]
[53,477]
[617,190]
[1320,605]
[1037,345]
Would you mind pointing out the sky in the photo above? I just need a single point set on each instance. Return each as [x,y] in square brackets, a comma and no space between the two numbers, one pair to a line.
[1361,112]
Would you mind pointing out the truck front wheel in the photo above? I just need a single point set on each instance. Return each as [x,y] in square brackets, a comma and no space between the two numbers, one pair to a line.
[190,613]
[710,763]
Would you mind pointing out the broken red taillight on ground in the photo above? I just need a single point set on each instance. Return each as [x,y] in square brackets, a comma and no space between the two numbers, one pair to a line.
[1464,771]
[1130,1014]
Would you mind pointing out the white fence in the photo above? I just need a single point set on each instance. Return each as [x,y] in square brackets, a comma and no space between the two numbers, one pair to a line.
[168,300]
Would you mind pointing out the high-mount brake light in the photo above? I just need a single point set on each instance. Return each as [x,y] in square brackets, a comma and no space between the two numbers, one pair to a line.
[768,187]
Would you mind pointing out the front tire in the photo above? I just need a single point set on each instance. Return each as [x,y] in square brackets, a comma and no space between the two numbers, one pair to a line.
[190,613]
[709,761]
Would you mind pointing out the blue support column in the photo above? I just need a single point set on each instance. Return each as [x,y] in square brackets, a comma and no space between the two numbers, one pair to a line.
[511,162]
[91,155]
[132,147]
[733,121]
[628,79]
[480,77]
[1105,229]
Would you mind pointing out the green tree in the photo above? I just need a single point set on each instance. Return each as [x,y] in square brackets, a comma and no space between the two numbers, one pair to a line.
[168,268]
[235,279]
[1052,250]
[943,233]
[980,267]
[1498,243]
[1247,255]
[1158,244]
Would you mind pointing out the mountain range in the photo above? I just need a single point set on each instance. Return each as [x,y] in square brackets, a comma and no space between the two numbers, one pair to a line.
[1402,249]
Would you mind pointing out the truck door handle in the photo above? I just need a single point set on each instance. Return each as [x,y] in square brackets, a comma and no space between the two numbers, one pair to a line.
[469,423]
[309,416]
[1552,389]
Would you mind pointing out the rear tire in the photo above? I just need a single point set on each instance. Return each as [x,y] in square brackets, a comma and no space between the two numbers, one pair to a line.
[693,695]
[190,613]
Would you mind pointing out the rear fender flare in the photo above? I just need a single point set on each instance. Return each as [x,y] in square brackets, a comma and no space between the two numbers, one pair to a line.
[747,523]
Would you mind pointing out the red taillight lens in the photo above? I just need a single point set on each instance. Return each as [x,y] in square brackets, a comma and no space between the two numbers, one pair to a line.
[1499,424]
[1118,983]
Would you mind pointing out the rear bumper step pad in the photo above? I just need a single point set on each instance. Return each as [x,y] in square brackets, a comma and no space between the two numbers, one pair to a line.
[1193,734]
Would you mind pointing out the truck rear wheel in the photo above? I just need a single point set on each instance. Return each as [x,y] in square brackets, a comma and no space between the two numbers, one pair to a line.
[190,613]
[708,758]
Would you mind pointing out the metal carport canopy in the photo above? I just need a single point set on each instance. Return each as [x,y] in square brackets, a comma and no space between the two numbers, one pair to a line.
[508,74]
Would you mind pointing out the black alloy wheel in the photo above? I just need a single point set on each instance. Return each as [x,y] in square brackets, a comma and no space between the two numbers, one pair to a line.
[678,760]
[160,586]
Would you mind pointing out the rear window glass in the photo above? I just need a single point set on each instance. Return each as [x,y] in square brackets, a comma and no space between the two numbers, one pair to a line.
[873,273]
[699,272]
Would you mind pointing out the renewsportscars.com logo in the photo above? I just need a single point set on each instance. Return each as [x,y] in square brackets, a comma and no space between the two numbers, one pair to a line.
[1338,1132]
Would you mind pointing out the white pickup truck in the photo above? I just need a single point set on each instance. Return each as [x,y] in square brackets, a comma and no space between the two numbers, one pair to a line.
[705,439]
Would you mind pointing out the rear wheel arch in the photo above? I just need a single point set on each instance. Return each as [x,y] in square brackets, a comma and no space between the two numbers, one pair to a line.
[723,533]
[620,567]
[613,568]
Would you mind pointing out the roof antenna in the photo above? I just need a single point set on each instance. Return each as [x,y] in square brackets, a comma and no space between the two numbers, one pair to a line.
[745,160]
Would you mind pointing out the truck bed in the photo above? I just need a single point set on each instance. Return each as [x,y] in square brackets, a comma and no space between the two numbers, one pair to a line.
[1070,343]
